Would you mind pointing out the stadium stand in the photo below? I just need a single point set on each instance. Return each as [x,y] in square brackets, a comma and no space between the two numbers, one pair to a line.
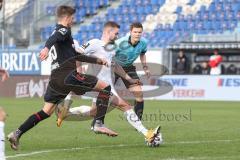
[169,20]
[165,21]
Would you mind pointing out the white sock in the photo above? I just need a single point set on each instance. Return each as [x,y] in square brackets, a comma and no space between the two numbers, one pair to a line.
[79,113]
[83,110]
[69,96]
[2,140]
[133,119]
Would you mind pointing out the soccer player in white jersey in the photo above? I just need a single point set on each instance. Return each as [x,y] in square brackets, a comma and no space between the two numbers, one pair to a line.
[98,48]
[4,76]
[3,116]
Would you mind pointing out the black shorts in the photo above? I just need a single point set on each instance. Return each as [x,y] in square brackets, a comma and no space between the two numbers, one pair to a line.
[131,71]
[78,83]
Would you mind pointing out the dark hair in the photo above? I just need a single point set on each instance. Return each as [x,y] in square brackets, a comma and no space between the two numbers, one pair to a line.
[136,25]
[65,11]
[111,24]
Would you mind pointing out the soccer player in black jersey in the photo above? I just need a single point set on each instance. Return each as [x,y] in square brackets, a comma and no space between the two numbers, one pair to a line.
[64,77]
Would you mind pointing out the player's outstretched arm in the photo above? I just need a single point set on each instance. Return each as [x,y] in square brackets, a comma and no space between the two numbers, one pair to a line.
[90,59]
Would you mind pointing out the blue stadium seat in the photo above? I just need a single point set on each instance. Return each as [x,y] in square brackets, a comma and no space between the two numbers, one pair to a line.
[191,2]
[190,25]
[140,10]
[154,2]
[235,6]
[233,24]
[178,10]
[147,9]
[133,18]
[207,25]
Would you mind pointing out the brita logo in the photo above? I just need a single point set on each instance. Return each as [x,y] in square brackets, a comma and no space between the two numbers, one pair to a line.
[21,63]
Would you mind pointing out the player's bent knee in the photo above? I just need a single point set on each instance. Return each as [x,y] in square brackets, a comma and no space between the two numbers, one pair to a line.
[139,99]
[49,108]
[138,95]
[101,85]
[122,105]
[137,91]
[105,91]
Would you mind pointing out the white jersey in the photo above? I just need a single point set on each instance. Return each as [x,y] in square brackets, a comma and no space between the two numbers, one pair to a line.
[2,141]
[96,47]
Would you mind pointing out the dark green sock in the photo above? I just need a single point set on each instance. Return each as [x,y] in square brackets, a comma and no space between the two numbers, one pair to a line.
[138,108]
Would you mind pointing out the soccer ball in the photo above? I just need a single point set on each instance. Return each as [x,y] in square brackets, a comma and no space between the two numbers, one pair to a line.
[158,140]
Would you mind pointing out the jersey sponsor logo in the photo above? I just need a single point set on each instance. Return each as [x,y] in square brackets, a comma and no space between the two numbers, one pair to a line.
[63,31]
[228,82]
[54,65]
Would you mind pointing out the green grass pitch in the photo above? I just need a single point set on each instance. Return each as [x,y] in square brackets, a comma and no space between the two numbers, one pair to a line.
[192,130]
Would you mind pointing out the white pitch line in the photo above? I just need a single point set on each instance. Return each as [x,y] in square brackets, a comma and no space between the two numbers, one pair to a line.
[67,149]
[125,145]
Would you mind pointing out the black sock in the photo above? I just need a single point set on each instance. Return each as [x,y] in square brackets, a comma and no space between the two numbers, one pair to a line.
[102,104]
[138,108]
[31,122]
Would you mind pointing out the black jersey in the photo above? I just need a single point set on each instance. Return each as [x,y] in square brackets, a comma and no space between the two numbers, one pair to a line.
[63,55]
[62,52]
[61,48]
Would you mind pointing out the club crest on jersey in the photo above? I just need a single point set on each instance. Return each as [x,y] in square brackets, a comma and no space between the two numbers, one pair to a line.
[63,31]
